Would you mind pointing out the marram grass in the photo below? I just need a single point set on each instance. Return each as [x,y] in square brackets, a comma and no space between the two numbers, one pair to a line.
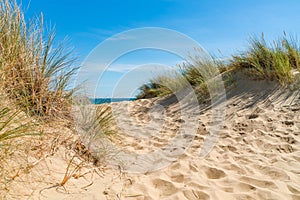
[13,124]
[193,74]
[34,73]
[276,61]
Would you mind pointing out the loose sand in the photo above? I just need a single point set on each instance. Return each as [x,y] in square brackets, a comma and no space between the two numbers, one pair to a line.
[256,155]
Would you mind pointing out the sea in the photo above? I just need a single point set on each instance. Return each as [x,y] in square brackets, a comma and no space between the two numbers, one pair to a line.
[109,100]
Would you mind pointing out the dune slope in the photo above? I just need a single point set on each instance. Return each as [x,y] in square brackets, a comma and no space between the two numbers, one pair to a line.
[256,155]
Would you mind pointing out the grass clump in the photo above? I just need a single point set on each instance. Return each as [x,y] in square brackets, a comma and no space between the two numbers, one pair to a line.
[34,88]
[94,124]
[163,85]
[278,61]
[92,119]
[193,74]
[34,74]
[13,124]
[205,75]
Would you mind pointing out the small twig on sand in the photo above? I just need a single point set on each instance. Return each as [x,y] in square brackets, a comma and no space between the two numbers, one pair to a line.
[66,178]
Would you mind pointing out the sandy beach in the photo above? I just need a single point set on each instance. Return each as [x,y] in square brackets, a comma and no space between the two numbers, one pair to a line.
[149,100]
[256,155]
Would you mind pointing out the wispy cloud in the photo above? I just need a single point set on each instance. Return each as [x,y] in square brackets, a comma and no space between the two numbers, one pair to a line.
[122,36]
[101,34]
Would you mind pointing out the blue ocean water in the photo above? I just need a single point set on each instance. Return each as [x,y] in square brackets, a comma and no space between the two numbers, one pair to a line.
[109,100]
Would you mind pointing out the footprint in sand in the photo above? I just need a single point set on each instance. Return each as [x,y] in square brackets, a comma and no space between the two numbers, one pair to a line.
[195,195]
[244,187]
[241,127]
[196,186]
[293,189]
[166,188]
[234,167]
[244,197]
[178,178]
[273,173]
[214,173]
[175,166]
[232,148]
[259,183]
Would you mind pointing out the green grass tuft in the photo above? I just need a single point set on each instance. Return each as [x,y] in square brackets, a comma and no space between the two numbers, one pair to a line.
[14,122]
[278,61]
[195,74]
[13,126]
[34,73]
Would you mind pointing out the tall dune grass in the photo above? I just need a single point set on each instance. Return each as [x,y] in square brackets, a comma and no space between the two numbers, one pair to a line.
[163,85]
[279,61]
[92,120]
[195,73]
[276,61]
[13,124]
[34,73]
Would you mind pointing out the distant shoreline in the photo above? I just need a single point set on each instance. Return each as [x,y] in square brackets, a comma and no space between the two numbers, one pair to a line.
[109,100]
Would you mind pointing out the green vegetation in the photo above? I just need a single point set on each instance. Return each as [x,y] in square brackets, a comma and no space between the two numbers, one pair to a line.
[13,124]
[104,119]
[194,73]
[163,85]
[34,89]
[90,120]
[279,61]
[34,74]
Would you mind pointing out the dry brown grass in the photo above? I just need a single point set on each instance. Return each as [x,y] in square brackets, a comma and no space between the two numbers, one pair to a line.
[21,159]
[34,73]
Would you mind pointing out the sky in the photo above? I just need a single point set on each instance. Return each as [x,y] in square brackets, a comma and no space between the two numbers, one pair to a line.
[222,28]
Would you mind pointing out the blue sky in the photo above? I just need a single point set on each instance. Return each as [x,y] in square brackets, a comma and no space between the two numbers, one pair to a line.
[221,27]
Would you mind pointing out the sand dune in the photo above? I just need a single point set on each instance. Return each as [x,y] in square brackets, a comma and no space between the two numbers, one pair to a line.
[256,153]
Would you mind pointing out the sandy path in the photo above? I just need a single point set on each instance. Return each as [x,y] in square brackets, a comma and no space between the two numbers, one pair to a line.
[256,156]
